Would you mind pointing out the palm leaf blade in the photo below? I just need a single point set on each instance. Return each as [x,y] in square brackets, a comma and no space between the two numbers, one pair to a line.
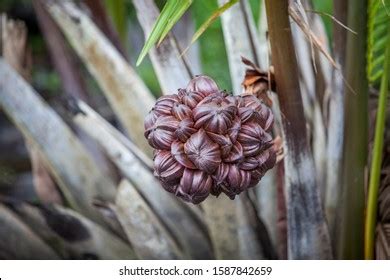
[169,15]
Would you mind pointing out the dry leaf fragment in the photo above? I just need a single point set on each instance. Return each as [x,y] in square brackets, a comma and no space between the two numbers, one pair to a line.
[258,82]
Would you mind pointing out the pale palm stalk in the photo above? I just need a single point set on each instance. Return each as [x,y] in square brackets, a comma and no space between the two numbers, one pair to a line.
[336,119]
[149,236]
[125,91]
[63,153]
[71,234]
[18,241]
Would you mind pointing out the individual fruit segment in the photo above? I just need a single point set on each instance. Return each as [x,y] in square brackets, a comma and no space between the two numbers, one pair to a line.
[194,186]
[203,152]
[166,168]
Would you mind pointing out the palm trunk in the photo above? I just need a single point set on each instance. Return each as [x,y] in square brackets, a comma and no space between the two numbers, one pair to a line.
[308,236]
[350,234]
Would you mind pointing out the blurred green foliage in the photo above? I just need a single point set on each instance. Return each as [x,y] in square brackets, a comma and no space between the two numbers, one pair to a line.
[211,43]
[117,10]
[146,72]
[326,6]
[255,7]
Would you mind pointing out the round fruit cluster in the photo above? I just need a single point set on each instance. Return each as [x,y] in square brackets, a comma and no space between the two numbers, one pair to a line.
[208,142]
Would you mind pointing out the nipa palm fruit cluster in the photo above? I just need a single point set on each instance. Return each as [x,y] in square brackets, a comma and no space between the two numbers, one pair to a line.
[208,142]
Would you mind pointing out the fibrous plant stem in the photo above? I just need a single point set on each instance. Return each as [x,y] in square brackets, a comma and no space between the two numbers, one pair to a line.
[308,236]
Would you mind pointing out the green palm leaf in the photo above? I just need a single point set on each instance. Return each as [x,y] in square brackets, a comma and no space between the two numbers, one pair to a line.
[378,21]
[171,13]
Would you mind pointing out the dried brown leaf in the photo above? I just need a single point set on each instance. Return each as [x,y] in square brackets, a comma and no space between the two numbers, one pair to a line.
[258,82]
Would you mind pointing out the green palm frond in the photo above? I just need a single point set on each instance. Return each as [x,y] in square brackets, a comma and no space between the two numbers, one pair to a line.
[378,21]
[170,14]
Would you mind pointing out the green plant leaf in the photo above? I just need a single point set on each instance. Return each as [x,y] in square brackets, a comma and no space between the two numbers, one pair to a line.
[180,9]
[170,14]
[378,21]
